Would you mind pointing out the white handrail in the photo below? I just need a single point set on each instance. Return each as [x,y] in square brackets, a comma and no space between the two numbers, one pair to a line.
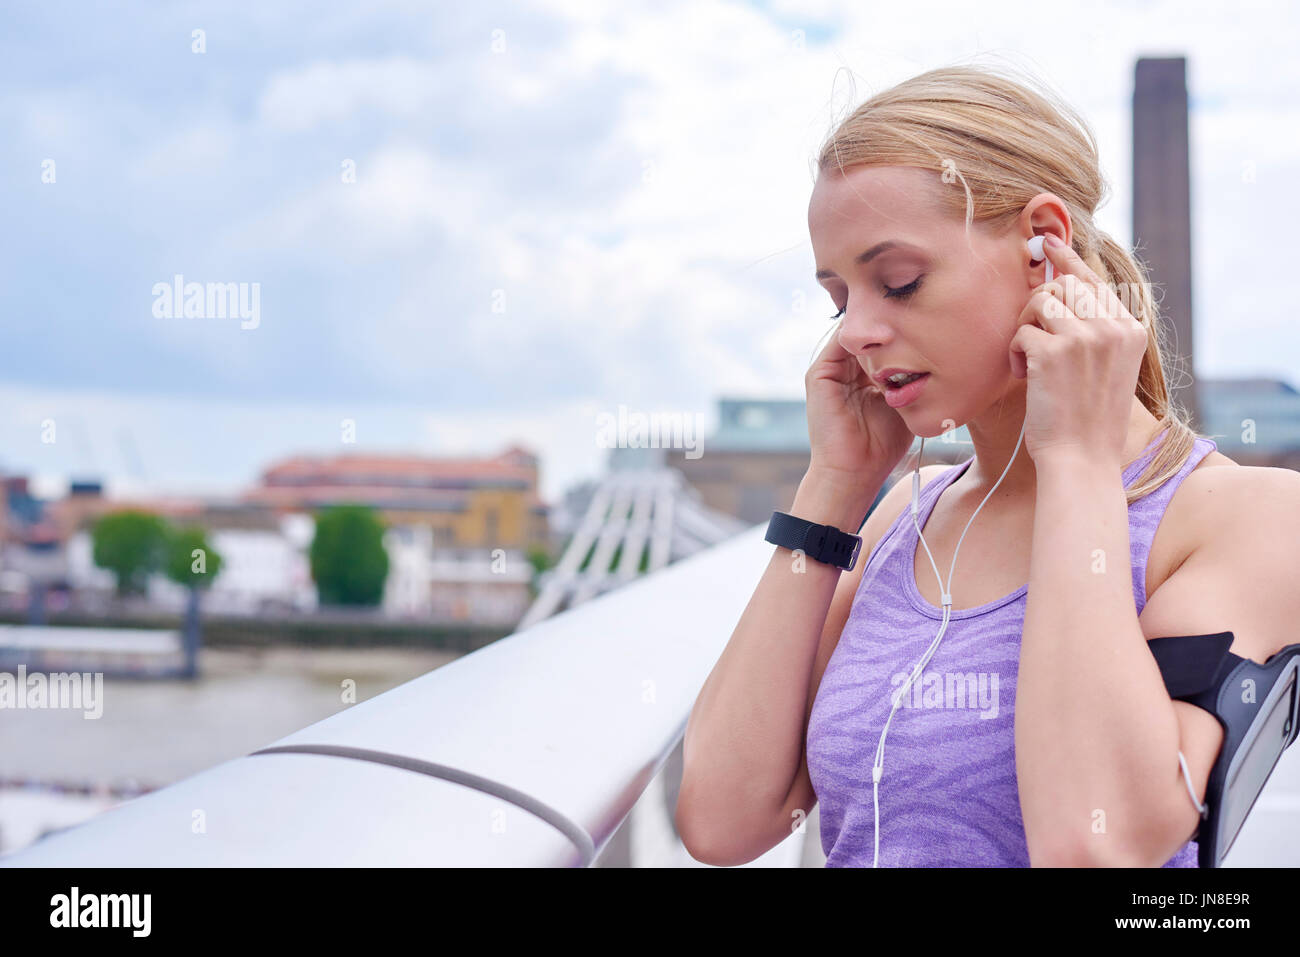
[530,751]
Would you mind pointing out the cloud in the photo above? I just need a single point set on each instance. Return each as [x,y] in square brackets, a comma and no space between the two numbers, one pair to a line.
[303,98]
[554,203]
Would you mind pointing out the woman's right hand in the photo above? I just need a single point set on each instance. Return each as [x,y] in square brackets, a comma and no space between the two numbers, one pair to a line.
[851,428]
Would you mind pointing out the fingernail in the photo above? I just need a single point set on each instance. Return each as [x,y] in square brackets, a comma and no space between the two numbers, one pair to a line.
[1053,240]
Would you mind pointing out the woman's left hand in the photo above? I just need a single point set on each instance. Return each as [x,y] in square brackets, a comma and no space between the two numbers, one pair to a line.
[1081,351]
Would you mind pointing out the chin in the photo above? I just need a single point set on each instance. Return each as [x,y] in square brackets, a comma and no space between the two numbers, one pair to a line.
[929,429]
[925,427]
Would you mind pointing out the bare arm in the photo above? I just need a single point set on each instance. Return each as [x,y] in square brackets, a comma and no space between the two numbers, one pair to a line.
[1097,735]
[745,775]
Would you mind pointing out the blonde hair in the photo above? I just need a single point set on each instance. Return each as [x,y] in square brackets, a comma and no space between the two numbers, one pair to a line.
[1005,142]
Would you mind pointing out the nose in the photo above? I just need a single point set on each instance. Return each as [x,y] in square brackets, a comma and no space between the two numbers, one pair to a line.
[859,330]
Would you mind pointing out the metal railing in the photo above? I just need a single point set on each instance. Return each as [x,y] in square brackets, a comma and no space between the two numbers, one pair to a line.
[529,752]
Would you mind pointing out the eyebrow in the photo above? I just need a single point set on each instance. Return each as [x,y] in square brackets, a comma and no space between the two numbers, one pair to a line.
[867,256]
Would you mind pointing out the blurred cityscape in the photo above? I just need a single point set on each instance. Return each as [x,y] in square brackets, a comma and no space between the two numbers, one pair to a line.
[469,542]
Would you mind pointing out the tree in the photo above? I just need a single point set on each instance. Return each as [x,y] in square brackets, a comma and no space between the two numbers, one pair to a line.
[540,559]
[348,560]
[189,560]
[131,545]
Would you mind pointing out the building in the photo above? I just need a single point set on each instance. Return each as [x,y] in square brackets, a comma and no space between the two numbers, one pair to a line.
[755,460]
[458,530]
[469,504]
[487,587]
[1254,421]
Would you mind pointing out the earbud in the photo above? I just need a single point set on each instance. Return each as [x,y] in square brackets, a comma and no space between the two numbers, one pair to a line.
[1036,253]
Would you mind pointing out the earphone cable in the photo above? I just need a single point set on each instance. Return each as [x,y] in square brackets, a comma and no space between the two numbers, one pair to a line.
[878,766]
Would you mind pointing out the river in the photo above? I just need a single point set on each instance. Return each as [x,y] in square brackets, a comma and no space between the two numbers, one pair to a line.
[154,733]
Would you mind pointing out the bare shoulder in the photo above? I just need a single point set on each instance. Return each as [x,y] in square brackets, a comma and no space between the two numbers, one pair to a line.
[894,501]
[889,508]
[1221,497]
[1239,531]
[1244,497]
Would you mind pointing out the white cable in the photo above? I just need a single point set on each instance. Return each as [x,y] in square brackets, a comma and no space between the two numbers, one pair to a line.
[945,595]
[1204,809]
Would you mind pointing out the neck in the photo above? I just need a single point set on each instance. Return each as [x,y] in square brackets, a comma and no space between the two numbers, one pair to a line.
[994,435]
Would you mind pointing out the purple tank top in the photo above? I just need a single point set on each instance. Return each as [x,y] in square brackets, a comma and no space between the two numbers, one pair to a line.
[948,797]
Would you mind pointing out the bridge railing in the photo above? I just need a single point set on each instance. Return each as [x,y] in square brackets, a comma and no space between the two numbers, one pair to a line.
[529,752]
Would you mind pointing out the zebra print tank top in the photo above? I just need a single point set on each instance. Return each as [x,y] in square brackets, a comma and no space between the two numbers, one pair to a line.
[948,797]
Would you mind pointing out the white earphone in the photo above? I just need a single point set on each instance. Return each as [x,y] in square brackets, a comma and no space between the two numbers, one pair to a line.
[1036,253]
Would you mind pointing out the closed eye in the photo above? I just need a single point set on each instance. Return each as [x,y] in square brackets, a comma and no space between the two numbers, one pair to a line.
[902,292]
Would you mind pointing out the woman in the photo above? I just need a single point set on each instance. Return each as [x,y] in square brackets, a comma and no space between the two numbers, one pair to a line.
[1040,731]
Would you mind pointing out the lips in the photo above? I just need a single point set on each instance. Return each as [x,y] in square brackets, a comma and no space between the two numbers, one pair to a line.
[898,396]
[881,378]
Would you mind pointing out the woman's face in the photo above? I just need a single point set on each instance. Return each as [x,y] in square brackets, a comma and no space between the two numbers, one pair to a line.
[937,301]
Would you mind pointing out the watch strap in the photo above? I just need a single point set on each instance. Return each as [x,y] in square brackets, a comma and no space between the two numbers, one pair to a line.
[825,543]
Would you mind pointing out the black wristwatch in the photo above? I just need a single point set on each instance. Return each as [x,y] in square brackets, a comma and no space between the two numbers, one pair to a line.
[826,543]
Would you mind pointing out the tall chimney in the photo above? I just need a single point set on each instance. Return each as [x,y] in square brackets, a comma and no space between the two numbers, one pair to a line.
[1162,232]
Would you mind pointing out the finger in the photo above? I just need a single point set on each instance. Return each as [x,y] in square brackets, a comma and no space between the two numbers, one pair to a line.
[1095,300]
[833,351]
[832,357]
[837,364]
[1109,305]
[1018,367]
[1112,306]
[1105,303]
[1066,260]
[1025,344]
[1081,299]
[1046,309]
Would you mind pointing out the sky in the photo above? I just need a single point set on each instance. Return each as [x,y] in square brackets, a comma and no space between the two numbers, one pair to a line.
[472,225]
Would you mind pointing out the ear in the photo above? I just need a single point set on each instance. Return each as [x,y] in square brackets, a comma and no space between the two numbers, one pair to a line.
[1045,214]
